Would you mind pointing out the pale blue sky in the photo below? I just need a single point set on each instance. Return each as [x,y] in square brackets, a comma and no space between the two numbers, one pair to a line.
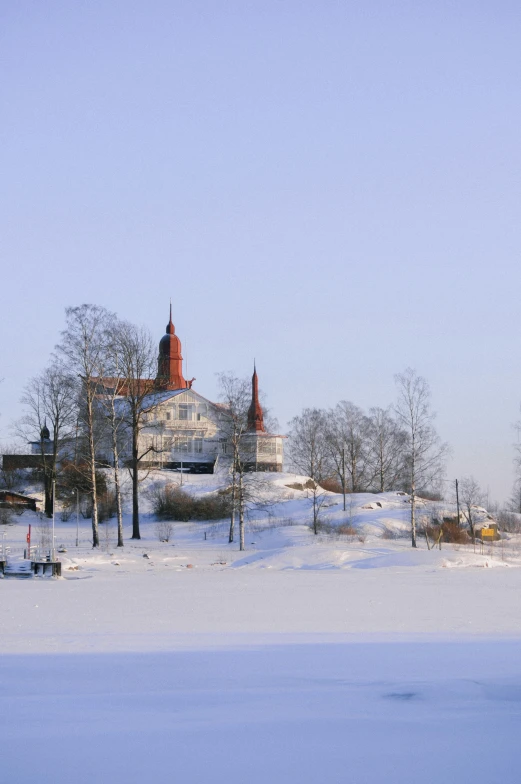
[333,188]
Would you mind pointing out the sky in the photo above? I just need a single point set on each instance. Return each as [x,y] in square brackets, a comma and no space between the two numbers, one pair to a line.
[332,188]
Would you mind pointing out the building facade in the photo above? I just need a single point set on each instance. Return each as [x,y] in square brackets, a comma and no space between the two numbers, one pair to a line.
[183,429]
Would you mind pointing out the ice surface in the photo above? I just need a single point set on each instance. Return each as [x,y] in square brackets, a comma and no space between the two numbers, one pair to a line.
[304,659]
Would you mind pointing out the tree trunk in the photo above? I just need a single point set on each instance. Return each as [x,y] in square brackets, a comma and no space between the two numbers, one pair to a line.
[117,486]
[315,511]
[232,512]
[241,513]
[92,452]
[135,482]
[47,483]
[413,513]
[471,522]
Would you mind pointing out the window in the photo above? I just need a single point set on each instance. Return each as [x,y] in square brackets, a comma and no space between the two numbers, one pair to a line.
[185,411]
[266,447]
[181,444]
[168,415]
[198,445]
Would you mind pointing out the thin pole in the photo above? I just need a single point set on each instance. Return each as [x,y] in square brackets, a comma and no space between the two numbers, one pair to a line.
[181,473]
[53,511]
[344,476]
[457,501]
[77,517]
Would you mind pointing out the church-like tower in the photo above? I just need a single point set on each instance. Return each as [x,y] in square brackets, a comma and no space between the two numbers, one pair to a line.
[255,415]
[170,361]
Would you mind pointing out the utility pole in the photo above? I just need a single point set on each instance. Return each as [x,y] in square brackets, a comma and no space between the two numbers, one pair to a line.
[344,476]
[457,501]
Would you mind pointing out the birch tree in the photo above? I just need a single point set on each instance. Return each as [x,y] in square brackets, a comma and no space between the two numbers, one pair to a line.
[84,351]
[235,397]
[424,452]
[114,410]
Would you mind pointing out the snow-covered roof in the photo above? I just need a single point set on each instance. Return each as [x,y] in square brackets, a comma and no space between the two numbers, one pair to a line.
[155,398]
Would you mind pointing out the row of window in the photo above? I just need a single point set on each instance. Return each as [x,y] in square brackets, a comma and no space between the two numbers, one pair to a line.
[184,444]
[186,412]
[189,444]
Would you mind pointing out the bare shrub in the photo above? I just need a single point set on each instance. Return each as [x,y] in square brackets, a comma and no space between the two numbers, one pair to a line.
[324,526]
[346,530]
[170,502]
[450,532]
[430,495]
[164,530]
[394,533]
[332,485]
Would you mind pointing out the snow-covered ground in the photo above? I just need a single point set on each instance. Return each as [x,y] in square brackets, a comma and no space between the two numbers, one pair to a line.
[335,658]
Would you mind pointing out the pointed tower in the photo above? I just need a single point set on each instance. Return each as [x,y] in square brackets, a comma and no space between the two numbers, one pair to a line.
[170,361]
[255,416]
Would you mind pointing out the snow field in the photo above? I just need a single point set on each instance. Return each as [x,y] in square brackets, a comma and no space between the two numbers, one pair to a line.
[332,658]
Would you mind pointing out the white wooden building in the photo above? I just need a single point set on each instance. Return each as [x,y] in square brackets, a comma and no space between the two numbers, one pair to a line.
[185,430]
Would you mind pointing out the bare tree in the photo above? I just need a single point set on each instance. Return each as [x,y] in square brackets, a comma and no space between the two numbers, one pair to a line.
[425,453]
[137,363]
[51,404]
[115,385]
[310,453]
[84,350]
[386,449]
[515,498]
[471,496]
[347,437]
[235,396]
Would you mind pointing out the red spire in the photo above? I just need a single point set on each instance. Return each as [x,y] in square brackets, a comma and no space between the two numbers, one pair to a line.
[170,361]
[255,416]
[170,329]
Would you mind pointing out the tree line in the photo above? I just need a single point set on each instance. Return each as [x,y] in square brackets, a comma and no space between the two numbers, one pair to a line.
[383,449]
